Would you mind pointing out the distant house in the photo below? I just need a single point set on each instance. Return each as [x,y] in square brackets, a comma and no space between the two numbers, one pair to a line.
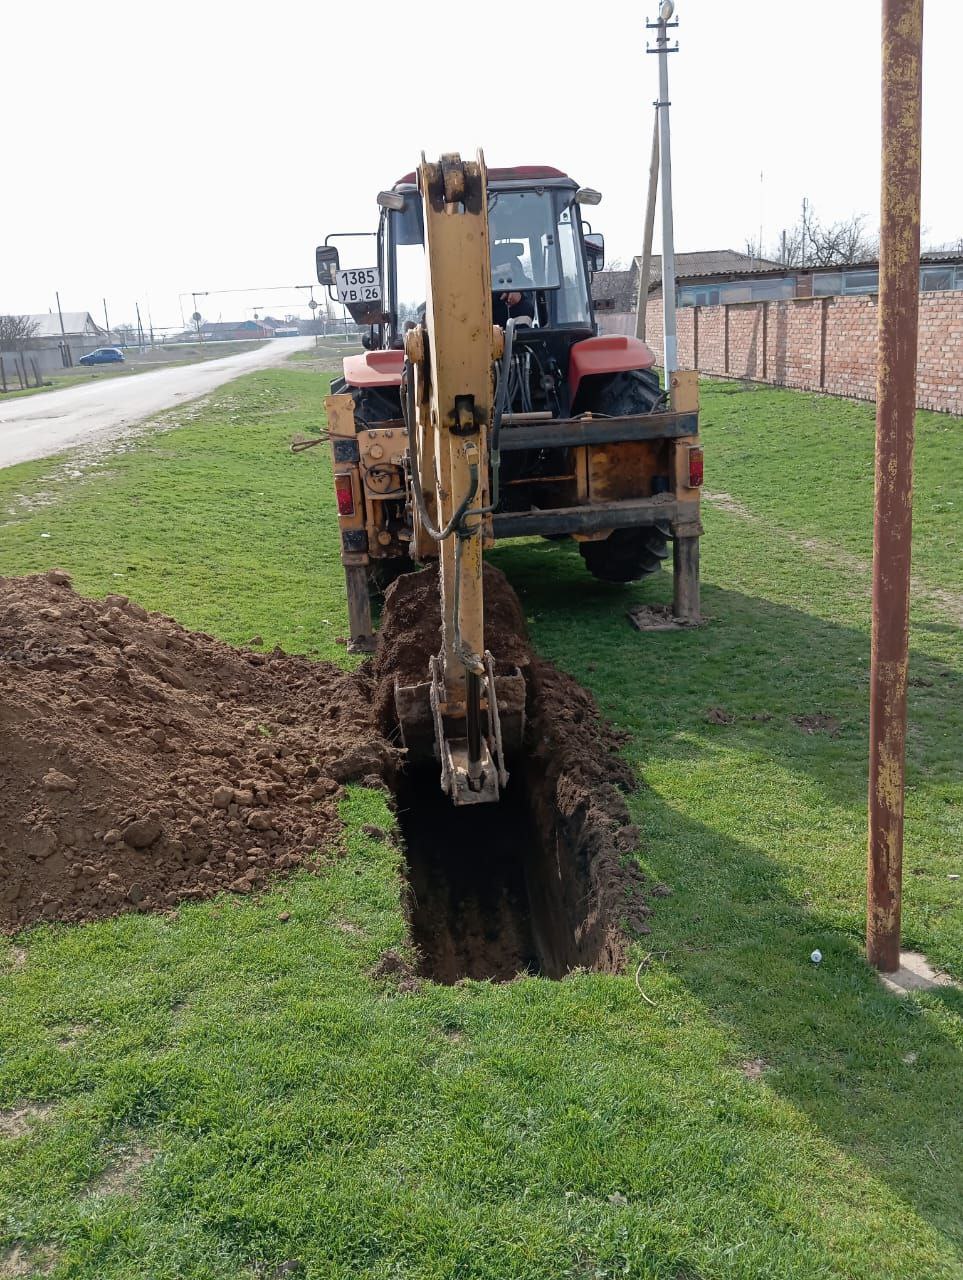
[615,292]
[80,329]
[771,281]
[234,330]
[723,276]
[51,347]
[289,327]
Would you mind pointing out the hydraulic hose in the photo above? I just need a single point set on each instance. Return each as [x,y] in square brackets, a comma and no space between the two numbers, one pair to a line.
[438,535]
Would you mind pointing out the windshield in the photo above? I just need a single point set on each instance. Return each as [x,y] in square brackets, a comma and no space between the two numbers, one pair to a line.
[521,225]
[535,239]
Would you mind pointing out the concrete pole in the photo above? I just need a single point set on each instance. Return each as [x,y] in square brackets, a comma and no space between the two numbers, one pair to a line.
[67,354]
[670,360]
[642,301]
[899,284]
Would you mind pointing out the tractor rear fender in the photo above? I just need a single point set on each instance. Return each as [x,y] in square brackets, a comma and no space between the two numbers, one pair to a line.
[607,353]
[374,369]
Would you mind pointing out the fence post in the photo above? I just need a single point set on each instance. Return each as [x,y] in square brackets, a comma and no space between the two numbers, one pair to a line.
[823,314]
[695,337]
[725,337]
[3,375]
[765,342]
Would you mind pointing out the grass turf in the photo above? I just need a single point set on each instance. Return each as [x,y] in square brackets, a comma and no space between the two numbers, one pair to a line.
[287,1107]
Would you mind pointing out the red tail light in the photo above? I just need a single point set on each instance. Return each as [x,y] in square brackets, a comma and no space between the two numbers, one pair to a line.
[344,493]
[695,466]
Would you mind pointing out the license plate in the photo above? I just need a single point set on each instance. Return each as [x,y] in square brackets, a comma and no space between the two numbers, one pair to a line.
[359,284]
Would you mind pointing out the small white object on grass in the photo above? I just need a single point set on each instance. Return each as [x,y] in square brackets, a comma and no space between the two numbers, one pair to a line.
[817,957]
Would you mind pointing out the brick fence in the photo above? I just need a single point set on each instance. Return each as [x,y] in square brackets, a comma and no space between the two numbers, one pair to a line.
[818,344]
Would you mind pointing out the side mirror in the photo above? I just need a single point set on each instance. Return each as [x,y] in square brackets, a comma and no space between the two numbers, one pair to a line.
[594,249]
[326,257]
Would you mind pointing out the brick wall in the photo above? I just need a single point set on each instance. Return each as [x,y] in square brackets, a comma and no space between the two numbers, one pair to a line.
[818,344]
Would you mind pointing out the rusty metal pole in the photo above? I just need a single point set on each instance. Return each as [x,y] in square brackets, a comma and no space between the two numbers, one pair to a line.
[899,283]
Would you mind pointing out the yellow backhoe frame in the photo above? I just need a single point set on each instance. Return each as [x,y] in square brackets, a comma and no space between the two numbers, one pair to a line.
[449,391]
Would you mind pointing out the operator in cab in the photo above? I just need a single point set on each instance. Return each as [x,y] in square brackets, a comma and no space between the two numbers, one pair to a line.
[516,301]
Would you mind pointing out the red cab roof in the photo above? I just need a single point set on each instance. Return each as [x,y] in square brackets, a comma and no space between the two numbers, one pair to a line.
[521,173]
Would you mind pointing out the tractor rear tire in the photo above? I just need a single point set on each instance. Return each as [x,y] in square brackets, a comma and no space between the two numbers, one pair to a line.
[635,391]
[627,554]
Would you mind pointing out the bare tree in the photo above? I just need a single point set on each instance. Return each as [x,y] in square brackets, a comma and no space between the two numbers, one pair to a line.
[840,244]
[16,332]
[811,243]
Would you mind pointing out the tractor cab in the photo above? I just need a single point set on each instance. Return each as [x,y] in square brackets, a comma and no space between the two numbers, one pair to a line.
[542,256]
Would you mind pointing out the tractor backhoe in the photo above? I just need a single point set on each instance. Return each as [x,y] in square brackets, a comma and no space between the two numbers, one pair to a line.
[451,431]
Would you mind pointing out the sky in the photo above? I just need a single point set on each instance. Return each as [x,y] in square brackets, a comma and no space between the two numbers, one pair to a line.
[161,149]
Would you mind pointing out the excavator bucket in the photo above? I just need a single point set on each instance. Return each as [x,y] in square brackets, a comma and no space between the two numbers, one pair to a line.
[430,729]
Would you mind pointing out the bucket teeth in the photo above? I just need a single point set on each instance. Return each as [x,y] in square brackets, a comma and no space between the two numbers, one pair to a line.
[429,732]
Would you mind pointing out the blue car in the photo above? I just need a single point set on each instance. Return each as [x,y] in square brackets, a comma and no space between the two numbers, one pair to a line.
[103,355]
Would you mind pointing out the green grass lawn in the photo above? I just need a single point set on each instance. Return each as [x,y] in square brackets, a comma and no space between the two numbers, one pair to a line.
[219,1092]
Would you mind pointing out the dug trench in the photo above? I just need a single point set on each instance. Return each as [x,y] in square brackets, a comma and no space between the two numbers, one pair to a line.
[543,881]
[143,765]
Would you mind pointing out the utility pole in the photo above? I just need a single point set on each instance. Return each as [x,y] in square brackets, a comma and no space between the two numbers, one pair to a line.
[899,285]
[642,301]
[802,247]
[67,354]
[140,327]
[106,320]
[670,356]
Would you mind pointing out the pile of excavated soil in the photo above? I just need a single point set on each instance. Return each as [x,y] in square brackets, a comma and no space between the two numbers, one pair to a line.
[142,764]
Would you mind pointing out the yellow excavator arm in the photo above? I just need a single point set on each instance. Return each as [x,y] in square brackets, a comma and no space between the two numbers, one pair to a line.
[448,391]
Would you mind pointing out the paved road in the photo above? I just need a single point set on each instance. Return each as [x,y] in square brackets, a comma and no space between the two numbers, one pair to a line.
[51,421]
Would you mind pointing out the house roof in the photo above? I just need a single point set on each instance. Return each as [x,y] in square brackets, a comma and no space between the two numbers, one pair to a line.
[619,289]
[707,262]
[75,322]
[765,267]
[232,326]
